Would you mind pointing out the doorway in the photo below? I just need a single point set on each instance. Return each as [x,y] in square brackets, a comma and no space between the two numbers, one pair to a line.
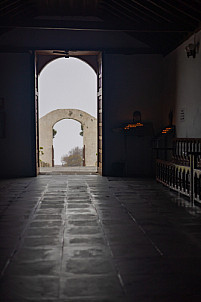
[65,146]
[92,61]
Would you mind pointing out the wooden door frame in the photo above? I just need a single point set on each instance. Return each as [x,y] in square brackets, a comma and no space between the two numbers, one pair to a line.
[81,54]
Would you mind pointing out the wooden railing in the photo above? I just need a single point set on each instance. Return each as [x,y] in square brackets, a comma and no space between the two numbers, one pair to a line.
[183,173]
[182,147]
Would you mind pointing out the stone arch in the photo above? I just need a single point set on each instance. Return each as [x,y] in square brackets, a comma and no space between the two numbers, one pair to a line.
[88,122]
[46,57]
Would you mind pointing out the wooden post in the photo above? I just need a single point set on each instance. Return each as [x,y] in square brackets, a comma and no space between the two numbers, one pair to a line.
[52,156]
[84,163]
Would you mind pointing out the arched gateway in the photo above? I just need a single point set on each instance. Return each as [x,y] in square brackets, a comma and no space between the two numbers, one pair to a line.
[89,125]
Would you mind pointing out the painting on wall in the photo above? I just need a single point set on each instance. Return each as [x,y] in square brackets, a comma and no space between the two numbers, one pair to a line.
[2,118]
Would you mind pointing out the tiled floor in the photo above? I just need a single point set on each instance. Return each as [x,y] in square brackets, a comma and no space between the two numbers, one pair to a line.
[97,239]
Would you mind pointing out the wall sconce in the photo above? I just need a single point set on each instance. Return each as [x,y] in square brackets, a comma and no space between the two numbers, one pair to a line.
[191,49]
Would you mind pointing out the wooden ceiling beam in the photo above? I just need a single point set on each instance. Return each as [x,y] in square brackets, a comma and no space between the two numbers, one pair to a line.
[176,17]
[196,9]
[15,10]
[151,11]
[181,11]
[124,5]
[119,13]
[140,12]
[6,7]
[94,26]
[162,8]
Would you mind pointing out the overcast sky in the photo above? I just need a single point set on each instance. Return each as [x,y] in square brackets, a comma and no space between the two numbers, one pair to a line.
[67,83]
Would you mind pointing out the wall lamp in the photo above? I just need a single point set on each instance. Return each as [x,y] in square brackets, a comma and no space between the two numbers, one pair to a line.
[191,49]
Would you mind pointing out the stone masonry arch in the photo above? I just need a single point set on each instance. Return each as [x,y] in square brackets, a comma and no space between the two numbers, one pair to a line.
[88,122]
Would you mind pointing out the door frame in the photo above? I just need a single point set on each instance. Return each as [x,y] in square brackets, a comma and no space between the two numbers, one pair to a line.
[41,59]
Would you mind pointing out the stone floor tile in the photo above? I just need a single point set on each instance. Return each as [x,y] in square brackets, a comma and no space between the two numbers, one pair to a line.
[89,266]
[50,211]
[46,224]
[38,254]
[97,239]
[81,216]
[84,240]
[86,251]
[82,230]
[36,268]
[134,250]
[15,288]
[48,217]
[41,241]
[97,286]
[83,223]
[160,285]
[44,231]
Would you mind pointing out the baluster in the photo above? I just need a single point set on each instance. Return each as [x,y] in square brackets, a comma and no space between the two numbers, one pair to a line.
[173,176]
[174,150]
[189,150]
[195,185]
[169,174]
[161,172]
[183,180]
[176,180]
[179,155]
[164,175]
[185,152]
[177,151]
[182,152]
[199,190]
[188,182]
[157,169]
[199,150]
[180,179]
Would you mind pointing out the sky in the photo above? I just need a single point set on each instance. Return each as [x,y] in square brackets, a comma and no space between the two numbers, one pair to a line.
[67,83]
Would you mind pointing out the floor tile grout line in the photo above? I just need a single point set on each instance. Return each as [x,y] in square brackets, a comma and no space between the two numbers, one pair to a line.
[108,245]
[62,246]
[140,227]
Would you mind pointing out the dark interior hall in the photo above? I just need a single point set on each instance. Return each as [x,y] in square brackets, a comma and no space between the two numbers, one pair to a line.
[130,231]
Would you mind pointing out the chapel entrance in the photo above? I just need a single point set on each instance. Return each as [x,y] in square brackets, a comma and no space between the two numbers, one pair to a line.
[90,125]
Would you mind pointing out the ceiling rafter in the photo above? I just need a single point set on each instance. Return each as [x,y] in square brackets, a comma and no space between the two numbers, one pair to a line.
[170,13]
[4,1]
[17,8]
[9,4]
[6,9]
[162,9]
[151,11]
[125,7]
[181,11]
[191,7]
[119,12]
[140,11]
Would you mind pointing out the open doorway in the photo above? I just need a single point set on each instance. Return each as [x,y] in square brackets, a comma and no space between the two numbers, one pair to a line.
[68,148]
[69,106]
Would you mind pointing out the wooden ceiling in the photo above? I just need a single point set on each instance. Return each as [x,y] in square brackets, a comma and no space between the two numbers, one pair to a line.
[161,24]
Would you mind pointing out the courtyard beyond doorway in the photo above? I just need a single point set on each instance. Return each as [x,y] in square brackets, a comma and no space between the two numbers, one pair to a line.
[60,170]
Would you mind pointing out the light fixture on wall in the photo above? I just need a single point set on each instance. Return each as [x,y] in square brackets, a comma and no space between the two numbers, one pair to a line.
[192,48]
[64,53]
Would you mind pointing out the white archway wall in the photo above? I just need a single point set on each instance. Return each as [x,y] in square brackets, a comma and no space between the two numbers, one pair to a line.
[67,83]
[88,122]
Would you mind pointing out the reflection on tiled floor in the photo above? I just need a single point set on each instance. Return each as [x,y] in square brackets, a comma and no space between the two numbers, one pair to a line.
[97,239]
